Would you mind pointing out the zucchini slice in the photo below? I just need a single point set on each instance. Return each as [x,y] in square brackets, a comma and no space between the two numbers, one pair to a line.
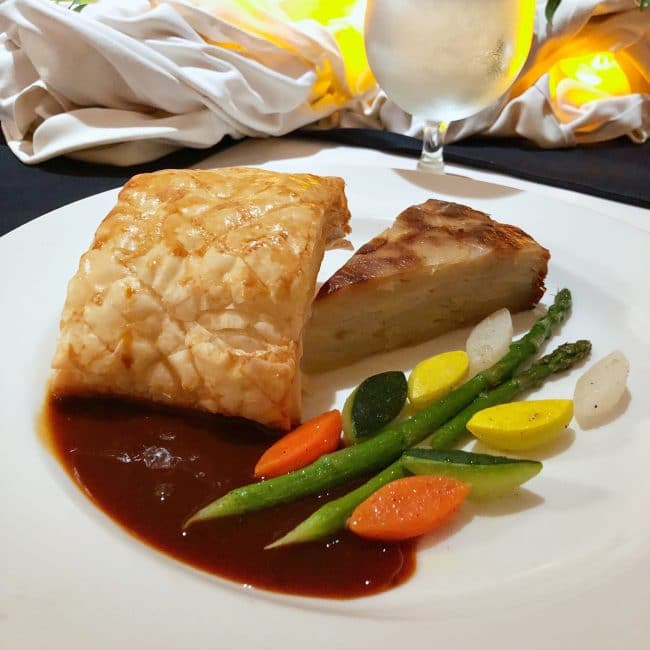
[373,404]
[489,476]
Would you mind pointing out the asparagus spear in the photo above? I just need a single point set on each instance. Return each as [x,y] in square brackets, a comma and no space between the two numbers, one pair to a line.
[332,516]
[379,451]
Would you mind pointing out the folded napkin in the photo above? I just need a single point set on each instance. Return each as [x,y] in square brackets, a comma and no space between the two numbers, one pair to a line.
[126,81]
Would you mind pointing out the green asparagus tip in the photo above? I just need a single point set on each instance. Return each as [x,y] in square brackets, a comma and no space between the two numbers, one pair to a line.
[563,296]
[582,348]
[565,355]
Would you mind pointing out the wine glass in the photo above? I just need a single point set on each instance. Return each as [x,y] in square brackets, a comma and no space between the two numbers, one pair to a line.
[444,60]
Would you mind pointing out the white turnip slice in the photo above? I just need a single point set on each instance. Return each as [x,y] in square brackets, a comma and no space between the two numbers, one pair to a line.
[489,340]
[600,389]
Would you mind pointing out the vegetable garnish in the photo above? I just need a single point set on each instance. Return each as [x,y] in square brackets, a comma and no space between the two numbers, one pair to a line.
[489,476]
[331,517]
[489,340]
[302,446]
[433,378]
[381,450]
[376,402]
[522,425]
[600,389]
[408,507]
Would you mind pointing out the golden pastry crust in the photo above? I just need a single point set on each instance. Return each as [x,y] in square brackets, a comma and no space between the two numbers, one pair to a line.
[196,288]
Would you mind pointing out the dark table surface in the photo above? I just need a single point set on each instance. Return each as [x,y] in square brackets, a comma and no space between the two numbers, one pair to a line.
[618,170]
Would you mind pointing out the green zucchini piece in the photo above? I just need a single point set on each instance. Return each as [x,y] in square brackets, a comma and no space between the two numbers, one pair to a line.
[489,476]
[373,404]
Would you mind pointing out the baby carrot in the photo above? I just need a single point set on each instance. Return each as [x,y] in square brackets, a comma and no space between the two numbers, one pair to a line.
[408,507]
[302,446]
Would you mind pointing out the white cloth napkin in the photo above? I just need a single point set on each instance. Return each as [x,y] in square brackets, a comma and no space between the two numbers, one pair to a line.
[126,81]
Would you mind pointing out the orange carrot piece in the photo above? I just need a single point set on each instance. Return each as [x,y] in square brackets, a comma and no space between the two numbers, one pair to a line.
[408,507]
[301,446]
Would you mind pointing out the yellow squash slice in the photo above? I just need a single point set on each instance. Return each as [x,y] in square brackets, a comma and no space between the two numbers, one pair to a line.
[432,378]
[521,425]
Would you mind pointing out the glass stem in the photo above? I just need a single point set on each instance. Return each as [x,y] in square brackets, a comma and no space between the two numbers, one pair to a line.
[433,139]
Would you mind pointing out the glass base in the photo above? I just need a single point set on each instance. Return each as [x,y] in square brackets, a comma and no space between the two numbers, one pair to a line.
[432,164]
[433,138]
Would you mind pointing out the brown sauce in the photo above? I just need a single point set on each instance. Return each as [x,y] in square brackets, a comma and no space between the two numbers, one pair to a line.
[150,468]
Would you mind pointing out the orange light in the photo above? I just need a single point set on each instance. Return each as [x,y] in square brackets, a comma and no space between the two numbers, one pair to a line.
[576,81]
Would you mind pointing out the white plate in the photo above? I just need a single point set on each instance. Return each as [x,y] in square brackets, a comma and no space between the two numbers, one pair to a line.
[566,563]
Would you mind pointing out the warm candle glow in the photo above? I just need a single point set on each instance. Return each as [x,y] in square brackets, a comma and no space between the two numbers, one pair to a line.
[578,80]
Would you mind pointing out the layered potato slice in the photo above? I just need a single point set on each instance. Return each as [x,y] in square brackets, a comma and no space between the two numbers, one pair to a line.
[439,267]
[196,288]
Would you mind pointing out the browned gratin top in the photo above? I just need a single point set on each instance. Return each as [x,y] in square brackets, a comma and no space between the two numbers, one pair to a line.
[430,234]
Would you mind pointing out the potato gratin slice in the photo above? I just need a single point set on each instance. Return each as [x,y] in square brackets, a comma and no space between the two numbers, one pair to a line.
[440,266]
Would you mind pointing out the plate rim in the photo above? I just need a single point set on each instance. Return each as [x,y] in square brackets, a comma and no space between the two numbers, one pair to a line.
[24,231]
